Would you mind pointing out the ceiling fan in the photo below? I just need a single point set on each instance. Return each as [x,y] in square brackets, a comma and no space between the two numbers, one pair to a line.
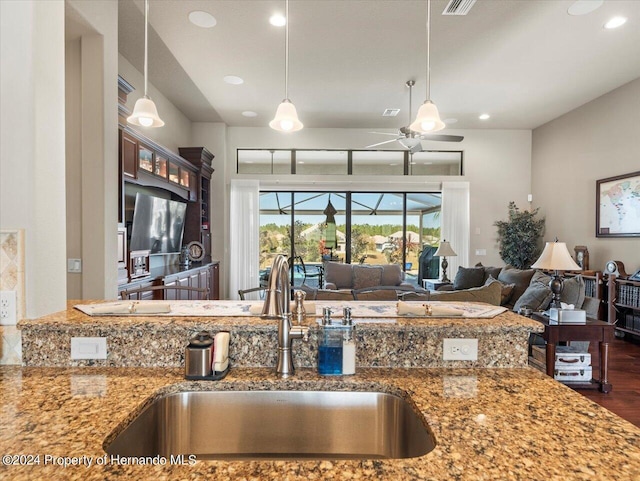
[410,139]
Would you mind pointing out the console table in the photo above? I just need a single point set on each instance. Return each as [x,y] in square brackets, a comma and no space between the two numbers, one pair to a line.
[593,331]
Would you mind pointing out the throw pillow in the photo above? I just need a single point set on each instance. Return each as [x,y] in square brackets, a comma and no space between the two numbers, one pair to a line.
[490,294]
[489,271]
[366,276]
[391,275]
[536,296]
[339,274]
[573,288]
[506,289]
[468,277]
[521,279]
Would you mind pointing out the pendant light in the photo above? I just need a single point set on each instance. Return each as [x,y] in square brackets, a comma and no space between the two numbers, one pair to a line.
[428,118]
[145,113]
[286,119]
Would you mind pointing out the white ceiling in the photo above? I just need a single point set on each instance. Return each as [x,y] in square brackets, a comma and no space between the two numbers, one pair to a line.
[525,62]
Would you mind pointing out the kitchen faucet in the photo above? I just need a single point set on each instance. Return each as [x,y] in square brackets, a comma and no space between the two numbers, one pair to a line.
[277,305]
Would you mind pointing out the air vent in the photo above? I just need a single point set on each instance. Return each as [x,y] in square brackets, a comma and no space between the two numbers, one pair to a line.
[458,7]
[390,112]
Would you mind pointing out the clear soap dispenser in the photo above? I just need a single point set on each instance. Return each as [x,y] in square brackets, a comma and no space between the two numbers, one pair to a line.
[348,343]
[330,346]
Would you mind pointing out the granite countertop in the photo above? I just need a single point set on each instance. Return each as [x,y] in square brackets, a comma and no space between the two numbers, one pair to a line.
[491,424]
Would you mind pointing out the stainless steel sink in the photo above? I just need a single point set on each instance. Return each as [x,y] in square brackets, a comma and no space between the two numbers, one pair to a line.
[276,425]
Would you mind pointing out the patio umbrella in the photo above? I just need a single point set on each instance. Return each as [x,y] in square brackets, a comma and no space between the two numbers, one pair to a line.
[330,241]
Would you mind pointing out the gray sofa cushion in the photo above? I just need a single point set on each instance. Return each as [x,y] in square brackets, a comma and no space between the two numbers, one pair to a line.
[331,295]
[376,295]
[521,279]
[490,294]
[468,277]
[489,271]
[506,290]
[537,296]
[338,274]
[367,276]
[391,275]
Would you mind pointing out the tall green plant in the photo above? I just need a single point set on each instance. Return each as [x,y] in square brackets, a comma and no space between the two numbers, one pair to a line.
[520,237]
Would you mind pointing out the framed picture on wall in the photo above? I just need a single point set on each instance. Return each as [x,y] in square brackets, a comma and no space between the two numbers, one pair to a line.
[618,206]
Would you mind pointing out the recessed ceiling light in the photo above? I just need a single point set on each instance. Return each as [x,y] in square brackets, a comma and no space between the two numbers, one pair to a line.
[277,20]
[450,121]
[202,19]
[233,80]
[249,113]
[582,7]
[615,22]
[484,116]
[301,161]
[394,163]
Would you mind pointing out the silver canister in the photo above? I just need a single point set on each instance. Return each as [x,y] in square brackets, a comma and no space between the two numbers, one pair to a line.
[199,356]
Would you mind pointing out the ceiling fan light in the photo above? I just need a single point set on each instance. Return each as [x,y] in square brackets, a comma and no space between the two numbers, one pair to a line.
[428,118]
[286,119]
[145,114]
[409,142]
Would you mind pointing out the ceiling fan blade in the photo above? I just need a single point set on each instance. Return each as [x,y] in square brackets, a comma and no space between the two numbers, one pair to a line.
[442,138]
[383,133]
[380,143]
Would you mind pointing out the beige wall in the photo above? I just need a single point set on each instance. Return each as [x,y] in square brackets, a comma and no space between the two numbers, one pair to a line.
[32,182]
[598,140]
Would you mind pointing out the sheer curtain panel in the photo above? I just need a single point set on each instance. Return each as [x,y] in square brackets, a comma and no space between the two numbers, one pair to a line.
[244,251]
[455,223]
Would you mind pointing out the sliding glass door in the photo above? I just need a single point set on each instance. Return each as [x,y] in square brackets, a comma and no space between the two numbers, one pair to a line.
[353,227]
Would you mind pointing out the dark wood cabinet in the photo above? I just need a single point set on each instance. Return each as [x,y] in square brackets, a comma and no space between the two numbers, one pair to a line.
[624,305]
[197,225]
[205,275]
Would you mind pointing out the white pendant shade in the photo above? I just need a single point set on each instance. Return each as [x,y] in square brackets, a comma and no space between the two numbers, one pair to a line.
[145,114]
[286,119]
[428,118]
[408,142]
[556,257]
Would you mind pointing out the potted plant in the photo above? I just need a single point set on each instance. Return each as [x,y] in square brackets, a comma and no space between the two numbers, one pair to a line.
[520,237]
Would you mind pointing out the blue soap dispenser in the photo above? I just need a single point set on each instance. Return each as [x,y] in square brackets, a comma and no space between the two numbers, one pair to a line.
[329,346]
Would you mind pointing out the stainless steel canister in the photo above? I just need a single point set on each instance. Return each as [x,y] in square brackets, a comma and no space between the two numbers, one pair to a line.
[199,355]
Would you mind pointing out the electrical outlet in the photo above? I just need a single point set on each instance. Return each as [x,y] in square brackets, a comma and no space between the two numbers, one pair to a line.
[460,349]
[8,310]
[88,348]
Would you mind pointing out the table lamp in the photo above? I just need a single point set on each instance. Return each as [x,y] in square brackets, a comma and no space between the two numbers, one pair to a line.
[444,251]
[556,257]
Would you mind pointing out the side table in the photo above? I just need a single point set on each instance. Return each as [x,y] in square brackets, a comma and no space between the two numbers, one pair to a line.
[593,331]
[433,284]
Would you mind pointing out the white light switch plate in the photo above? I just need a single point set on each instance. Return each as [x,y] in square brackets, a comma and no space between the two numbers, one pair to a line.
[460,349]
[88,348]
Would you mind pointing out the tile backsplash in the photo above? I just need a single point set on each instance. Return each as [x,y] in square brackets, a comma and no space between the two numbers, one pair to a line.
[12,279]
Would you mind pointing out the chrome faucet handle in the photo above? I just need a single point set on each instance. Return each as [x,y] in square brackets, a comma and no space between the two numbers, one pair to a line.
[299,309]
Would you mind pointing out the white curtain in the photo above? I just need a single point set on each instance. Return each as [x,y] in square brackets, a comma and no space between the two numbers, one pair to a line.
[244,251]
[455,223]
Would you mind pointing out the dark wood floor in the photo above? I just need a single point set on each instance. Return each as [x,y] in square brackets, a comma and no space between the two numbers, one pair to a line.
[624,375]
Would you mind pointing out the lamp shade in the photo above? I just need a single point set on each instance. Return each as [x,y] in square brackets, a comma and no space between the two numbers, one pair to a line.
[445,250]
[555,256]
[428,118]
[145,114]
[286,119]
